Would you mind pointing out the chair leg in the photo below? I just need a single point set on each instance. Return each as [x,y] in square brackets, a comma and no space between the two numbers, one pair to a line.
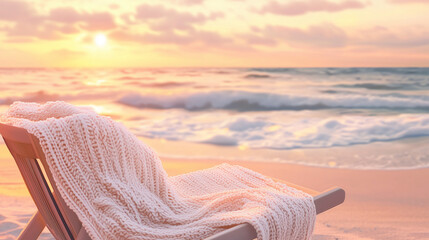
[34,227]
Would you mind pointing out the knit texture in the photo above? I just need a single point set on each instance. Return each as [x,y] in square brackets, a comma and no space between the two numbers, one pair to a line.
[119,190]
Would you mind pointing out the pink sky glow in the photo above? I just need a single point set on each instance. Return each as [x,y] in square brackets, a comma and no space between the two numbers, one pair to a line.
[209,33]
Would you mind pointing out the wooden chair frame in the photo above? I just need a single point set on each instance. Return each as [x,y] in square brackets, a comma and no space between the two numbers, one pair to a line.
[63,223]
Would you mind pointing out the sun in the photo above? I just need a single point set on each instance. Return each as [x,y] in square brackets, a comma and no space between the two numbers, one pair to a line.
[100,40]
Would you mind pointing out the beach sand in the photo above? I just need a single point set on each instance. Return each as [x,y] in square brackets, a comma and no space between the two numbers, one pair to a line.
[389,204]
[380,204]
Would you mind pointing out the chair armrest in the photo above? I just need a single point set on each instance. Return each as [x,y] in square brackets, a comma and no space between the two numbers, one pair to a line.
[329,199]
[323,202]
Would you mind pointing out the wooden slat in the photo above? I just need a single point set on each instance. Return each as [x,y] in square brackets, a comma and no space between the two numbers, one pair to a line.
[22,149]
[15,134]
[69,218]
[59,228]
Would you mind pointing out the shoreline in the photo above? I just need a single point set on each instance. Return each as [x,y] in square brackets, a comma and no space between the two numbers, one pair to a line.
[405,154]
[238,161]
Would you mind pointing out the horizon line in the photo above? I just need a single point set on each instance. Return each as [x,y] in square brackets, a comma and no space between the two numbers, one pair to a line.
[254,67]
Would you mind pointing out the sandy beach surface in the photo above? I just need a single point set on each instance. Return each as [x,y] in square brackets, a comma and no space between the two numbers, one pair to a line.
[380,204]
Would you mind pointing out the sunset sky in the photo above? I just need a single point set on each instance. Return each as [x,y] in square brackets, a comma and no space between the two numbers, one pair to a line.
[214,33]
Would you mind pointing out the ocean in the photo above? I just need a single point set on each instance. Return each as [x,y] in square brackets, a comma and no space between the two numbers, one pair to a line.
[358,118]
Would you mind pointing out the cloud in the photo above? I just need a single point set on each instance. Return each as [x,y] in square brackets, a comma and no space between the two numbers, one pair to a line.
[168,26]
[29,25]
[192,2]
[17,11]
[90,21]
[299,8]
[160,18]
[327,35]
[25,30]
[145,38]
[189,2]
[322,36]
[409,1]
[168,37]
[384,37]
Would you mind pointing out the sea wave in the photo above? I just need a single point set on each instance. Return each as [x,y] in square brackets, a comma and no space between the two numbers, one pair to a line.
[44,96]
[345,71]
[412,86]
[257,76]
[256,101]
[265,132]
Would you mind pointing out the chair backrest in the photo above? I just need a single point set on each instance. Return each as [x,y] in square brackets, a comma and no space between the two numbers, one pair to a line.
[28,154]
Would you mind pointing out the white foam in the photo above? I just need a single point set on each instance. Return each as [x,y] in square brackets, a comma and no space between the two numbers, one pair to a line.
[247,101]
[263,131]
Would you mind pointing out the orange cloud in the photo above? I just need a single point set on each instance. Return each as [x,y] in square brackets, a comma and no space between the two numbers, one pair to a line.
[322,36]
[160,18]
[17,11]
[30,25]
[409,1]
[299,8]
[90,21]
[190,2]
[165,22]
[206,38]
[386,38]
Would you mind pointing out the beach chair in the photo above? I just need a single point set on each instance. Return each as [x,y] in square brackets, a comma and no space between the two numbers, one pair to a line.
[63,223]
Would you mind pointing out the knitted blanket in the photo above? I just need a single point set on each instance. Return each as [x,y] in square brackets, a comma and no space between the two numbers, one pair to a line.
[119,190]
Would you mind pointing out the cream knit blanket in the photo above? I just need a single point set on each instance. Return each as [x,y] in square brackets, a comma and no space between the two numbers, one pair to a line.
[119,190]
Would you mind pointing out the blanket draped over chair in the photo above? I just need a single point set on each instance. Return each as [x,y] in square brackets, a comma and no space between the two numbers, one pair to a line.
[119,190]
